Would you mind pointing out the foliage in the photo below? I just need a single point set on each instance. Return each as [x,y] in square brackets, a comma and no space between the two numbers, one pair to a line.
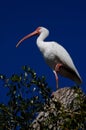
[60,115]
[28,95]
[74,117]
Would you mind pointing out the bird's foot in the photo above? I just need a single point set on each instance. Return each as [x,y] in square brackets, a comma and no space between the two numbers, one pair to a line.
[52,95]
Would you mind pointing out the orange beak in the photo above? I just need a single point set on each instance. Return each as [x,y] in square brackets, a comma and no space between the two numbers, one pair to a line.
[28,36]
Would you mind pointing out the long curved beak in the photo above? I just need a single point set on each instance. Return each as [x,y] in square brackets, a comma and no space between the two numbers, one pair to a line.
[27,36]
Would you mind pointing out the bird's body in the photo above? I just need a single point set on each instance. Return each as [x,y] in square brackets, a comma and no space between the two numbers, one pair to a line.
[54,54]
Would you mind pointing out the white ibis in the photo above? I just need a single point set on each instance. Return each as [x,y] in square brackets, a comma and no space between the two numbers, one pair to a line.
[55,55]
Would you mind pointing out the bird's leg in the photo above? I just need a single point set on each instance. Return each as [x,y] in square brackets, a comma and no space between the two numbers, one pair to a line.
[56,76]
[57,68]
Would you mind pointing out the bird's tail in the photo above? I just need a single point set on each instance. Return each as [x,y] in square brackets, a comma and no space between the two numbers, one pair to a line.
[69,73]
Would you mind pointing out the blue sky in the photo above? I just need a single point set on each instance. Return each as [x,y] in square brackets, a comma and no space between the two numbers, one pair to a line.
[66,21]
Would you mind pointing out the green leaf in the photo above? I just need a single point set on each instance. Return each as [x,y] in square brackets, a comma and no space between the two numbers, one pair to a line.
[16,78]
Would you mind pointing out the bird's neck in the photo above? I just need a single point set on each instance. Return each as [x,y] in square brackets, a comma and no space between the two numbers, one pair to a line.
[41,38]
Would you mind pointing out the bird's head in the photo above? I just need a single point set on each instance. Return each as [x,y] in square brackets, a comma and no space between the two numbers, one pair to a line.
[38,31]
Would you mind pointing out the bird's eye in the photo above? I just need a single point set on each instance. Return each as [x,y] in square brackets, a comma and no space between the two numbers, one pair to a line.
[38,29]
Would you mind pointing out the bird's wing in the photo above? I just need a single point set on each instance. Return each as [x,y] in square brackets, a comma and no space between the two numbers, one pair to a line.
[69,67]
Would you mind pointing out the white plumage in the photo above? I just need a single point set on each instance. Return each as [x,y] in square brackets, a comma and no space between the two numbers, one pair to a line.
[55,56]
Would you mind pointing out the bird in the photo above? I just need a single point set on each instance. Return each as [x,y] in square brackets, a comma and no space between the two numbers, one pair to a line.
[55,55]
